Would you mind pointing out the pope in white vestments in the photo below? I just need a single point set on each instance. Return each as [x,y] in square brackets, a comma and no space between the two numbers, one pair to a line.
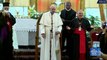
[50,28]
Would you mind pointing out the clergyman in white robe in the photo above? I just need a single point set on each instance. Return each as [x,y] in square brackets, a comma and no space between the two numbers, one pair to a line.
[48,44]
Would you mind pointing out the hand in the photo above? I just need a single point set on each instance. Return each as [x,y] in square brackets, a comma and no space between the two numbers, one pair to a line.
[57,33]
[68,28]
[8,23]
[43,35]
[63,20]
[7,13]
[92,26]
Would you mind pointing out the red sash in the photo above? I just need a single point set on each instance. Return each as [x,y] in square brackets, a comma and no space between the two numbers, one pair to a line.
[82,45]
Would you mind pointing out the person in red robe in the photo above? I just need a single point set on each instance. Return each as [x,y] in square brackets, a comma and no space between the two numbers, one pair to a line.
[78,44]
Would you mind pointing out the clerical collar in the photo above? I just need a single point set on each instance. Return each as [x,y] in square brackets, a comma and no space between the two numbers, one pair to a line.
[67,9]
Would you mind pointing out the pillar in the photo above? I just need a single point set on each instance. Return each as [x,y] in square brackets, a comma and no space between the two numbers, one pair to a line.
[101,7]
[82,4]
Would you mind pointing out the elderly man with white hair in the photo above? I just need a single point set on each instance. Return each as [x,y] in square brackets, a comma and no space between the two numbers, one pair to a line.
[79,44]
[50,28]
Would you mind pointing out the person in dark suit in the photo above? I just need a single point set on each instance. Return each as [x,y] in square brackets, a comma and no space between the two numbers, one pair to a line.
[102,37]
[67,15]
[6,22]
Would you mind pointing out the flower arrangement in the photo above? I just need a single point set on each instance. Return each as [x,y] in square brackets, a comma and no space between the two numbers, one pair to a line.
[32,12]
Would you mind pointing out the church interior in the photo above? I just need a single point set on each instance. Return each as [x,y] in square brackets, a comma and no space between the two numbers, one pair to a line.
[26,30]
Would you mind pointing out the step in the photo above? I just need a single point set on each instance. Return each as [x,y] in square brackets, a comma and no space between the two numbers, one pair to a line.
[24,57]
[24,52]
[28,54]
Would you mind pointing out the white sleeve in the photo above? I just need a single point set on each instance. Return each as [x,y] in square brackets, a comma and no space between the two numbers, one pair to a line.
[42,30]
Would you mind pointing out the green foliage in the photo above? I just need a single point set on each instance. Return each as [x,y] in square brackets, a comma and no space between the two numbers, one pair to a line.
[32,12]
[94,21]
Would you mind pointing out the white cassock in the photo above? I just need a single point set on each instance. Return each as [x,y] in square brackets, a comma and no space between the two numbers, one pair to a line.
[45,27]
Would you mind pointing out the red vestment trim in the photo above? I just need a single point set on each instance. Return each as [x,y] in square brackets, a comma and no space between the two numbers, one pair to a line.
[82,45]
[9,23]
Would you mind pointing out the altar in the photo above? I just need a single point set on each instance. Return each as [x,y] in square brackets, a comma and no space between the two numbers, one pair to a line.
[24,32]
